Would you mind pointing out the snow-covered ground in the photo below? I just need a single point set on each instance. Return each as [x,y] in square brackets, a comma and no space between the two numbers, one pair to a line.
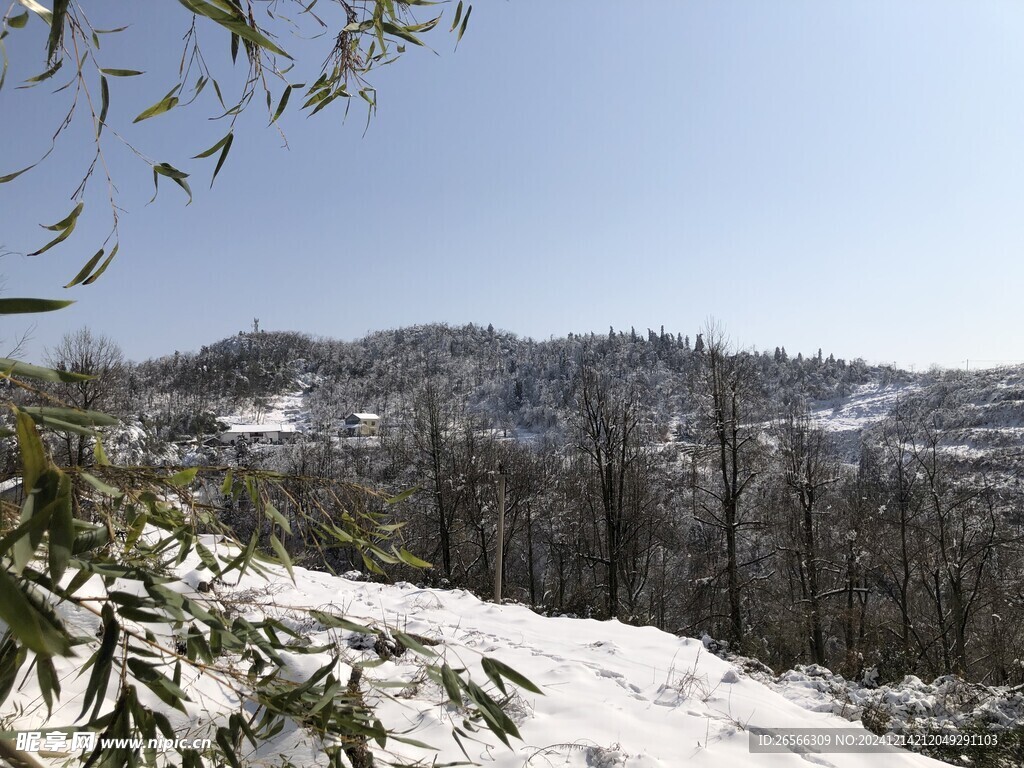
[866,406]
[615,696]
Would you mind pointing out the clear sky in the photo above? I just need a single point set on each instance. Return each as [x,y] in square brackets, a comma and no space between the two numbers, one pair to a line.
[812,173]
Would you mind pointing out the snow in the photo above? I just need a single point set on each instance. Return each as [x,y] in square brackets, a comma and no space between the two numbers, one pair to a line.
[615,696]
[867,405]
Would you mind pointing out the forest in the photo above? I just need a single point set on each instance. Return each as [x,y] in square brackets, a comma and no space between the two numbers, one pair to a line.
[693,486]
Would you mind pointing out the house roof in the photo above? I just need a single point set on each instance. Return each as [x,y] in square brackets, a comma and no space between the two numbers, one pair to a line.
[249,428]
[363,416]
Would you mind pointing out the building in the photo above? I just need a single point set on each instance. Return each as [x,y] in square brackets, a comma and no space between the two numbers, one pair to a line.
[361,425]
[258,433]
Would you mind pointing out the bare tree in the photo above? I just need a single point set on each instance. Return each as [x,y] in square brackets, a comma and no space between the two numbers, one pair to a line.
[607,426]
[724,387]
[102,359]
[810,467]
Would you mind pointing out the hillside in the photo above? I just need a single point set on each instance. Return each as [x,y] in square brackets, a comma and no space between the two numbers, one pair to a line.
[809,513]
[614,696]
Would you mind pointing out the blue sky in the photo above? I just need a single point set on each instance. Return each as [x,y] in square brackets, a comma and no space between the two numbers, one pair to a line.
[812,173]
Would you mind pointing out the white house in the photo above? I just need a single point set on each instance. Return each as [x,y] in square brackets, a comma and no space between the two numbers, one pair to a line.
[258,433]
[361,425]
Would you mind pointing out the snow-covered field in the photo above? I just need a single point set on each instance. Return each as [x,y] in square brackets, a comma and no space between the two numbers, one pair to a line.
[615,696]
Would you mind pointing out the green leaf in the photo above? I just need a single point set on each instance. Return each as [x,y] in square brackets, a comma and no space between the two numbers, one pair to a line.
[60,9]
[165,689]
[26,623]
[224,145]
[62,530]
[414,645]
[334,621]
[86,270]
[103,267]
[16,174]
[168,102]
[465,22]
[73,416]
[27,306]
[32,527]
[67,221]
[45,75]
[33,457]
[49,683]
[211,150]
[402,496]
[410,559]
[223,157]
[235,23]
[208,558]
[495,670]
[273,514]
[99,485]
[451,684]
[178,177]
[283,102]
[19,21]
[102,662]
[104,104]
[99,454]
[38,9]
[122,72]
[65,226]
[56,241]
[282,554]
[20,369]
[184,477]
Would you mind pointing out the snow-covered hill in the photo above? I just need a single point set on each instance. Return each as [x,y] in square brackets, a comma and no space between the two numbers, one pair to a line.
[615,696]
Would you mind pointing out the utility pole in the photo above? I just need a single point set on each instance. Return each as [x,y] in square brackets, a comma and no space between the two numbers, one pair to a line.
[498,561]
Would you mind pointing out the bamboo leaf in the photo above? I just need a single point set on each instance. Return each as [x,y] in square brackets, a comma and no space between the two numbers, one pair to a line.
[223,157]
[451,684]
[16,368]
[104,104]
[33,457]
[99,454]
[56,241]
[495,670]
[29,306]
[458,16]
[44,76]
[60,9]
[168,102]
[122,72]
[103,266]
[62,529]
[178,177]
[86,270]
[184,477]
[41,11]
[465,23]
[67,221]
[273,514]
[72,416]
[26,623]
[102,662]
[12,176]
[282,554]
[410,559]
[283,102]
[211,150]
[234,23]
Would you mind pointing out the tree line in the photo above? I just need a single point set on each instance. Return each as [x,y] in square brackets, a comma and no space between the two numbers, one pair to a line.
[682,485]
